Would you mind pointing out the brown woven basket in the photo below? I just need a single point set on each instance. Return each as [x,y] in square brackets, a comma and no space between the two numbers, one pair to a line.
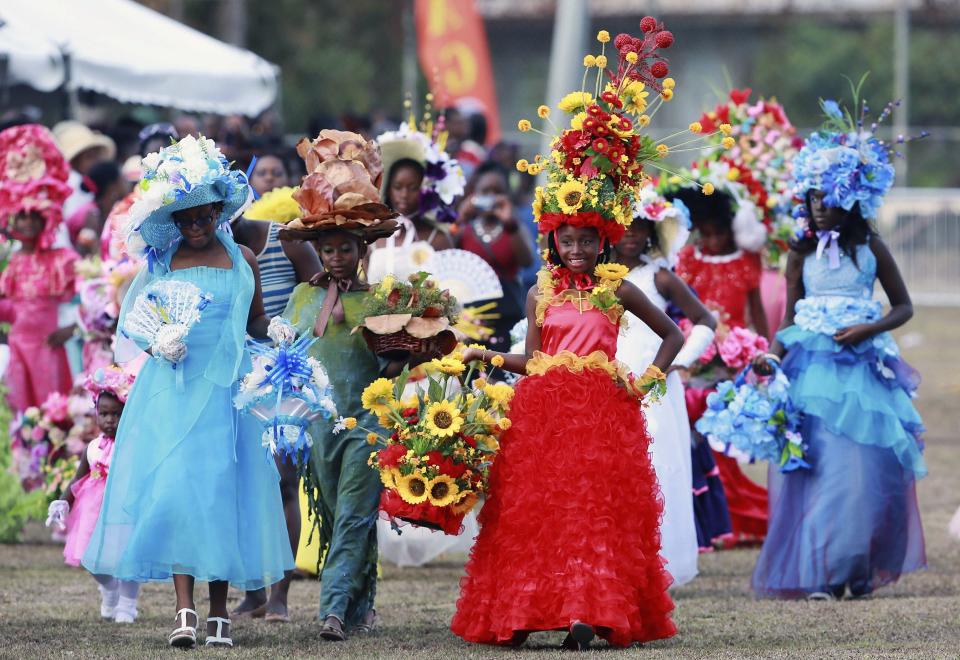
[399,345]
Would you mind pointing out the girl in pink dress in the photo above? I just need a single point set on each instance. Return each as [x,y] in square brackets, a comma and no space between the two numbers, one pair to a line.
[80,507]
[39,278]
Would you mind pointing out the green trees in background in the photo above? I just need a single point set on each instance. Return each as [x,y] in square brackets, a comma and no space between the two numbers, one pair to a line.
[335,57]
[806,60]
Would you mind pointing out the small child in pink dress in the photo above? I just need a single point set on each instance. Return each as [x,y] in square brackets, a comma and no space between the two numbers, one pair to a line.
[39,278]
[80,508]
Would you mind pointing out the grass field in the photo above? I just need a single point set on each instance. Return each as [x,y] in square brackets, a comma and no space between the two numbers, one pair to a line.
[49,610]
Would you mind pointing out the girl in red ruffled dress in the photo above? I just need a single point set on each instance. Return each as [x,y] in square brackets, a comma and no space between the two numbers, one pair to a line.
[39,277]
[569,533]
[726,278]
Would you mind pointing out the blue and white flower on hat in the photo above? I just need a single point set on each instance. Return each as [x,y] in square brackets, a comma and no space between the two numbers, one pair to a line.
[189,173]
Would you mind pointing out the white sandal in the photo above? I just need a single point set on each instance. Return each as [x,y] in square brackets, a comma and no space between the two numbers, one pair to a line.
[185,636]
[218,639]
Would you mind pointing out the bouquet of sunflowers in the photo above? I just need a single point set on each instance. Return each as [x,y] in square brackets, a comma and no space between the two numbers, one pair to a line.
[438,444]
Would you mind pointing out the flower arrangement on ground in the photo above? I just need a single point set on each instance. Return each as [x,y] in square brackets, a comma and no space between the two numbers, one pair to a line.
[753,419]
[286,390]
[438,444]
[403,316]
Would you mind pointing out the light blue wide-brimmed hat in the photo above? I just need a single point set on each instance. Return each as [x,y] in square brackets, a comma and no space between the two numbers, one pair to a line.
[189,173]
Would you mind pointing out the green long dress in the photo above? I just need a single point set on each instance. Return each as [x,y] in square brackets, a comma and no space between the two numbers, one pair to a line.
[349,490]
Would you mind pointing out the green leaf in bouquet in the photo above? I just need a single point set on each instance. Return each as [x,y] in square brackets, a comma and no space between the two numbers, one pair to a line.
[401,382]
[434,390]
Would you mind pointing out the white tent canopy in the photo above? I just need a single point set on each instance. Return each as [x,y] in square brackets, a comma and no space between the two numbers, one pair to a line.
[133,54]
[30,60]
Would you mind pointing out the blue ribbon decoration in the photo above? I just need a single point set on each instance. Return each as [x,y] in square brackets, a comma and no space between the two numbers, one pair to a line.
[298,451]
[288,363]
[249,173]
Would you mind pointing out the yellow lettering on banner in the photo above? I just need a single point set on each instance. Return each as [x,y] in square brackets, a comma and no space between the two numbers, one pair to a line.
[441,18]
[459,66]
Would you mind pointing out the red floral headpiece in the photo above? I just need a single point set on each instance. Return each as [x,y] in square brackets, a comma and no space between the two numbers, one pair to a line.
[597,160]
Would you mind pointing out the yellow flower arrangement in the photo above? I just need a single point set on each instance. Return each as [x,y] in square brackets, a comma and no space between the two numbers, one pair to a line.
[277,205]
[504,423]
[663,150]
[372,438]
[726,129]
[603,36]
[387,477]
[589,61]
[543,111]
[611,272]
[497,360]
[442,491]
[601,61]
[666,94]
[669,83]
[576,123]
[522,165]
[443,419]
[570,196]
[728,142]
[377,397]
[643,120]
[500,394]
[575,101]
[484,418]
[524,125]
[466,503]
[447,365]
[413,488]
[350,423]
[632,58]
[696,127]
[708,188]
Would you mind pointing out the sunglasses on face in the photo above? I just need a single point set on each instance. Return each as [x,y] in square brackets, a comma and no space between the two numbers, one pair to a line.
[200,223]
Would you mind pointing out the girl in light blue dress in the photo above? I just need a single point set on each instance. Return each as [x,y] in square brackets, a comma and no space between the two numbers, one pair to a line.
[191,495]
[849,523]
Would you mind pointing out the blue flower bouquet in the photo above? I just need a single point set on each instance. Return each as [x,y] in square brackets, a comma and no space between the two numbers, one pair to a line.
[753,419]
[286,390]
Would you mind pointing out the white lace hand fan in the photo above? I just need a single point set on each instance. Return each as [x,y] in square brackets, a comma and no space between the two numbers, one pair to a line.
[163,314]
[467,276]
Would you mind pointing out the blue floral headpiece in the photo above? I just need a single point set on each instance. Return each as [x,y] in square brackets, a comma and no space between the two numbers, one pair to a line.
[188,173]
[846,161]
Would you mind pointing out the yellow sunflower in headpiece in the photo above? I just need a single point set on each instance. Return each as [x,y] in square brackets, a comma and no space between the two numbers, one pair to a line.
[570,196]
[443,419]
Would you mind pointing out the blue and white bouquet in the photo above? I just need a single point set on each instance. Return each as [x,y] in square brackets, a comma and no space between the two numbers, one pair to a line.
[286,390]
[162,316]
[755,420]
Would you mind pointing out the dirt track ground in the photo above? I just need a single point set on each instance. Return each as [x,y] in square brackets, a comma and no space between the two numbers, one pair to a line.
[49,610]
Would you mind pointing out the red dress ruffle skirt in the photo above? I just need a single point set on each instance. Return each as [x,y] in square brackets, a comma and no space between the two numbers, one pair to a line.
[570,529]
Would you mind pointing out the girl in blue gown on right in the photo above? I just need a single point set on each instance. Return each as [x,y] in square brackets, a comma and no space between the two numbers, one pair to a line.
[850,523]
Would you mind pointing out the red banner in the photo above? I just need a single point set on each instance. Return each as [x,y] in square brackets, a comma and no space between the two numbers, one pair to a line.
[452,44]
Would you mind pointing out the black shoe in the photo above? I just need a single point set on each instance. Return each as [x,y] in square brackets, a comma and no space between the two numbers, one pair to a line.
[579,637]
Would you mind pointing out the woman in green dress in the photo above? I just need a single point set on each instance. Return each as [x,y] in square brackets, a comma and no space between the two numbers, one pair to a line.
[329,306]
